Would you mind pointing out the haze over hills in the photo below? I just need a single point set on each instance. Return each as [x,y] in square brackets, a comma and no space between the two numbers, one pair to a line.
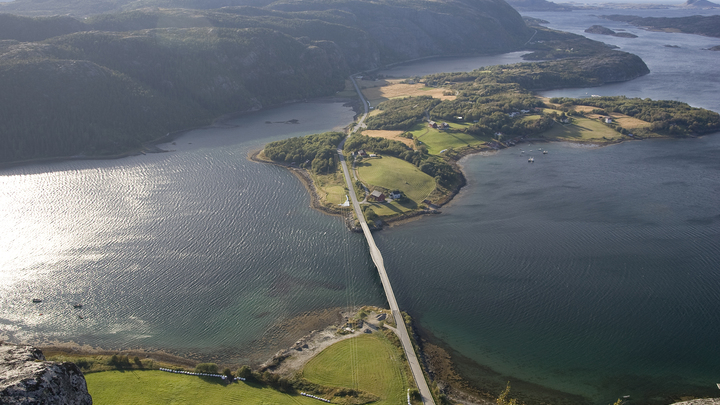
[106,83]
[700,4]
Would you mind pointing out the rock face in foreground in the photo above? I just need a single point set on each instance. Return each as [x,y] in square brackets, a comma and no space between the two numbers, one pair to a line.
[706,401]
[26,378]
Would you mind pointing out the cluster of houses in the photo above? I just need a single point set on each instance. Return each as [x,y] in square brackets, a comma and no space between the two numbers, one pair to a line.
[379,196]
[516,113]
[362,153]
[433,124]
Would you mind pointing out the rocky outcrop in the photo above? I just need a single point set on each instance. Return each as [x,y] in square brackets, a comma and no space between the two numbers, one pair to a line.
[705,401]
[26,378]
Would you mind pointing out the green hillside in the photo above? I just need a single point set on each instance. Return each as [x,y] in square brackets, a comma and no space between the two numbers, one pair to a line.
[110,75]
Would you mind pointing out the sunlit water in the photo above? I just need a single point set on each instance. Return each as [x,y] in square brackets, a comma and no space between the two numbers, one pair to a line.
[195,250]
[591,272]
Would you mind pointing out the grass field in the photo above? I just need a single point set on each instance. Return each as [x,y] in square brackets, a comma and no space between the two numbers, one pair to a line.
[583,129]
[437,140]
[368,362]
[382,90]
[331,188]
[158,387]
[392,173]
[392,135]
[394,208]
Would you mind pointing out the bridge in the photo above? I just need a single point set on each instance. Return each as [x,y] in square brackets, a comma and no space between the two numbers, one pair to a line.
[377,258]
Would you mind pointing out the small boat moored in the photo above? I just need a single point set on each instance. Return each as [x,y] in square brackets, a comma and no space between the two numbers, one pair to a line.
[77,305]
[531,160]
[36,300]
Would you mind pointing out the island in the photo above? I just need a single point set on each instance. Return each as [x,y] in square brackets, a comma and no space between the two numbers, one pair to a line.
[700,25]
[599,29]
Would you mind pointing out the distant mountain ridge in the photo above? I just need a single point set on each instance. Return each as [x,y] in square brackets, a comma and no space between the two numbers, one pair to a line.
[538,5]
[696,24]
[700,4]
[107,83]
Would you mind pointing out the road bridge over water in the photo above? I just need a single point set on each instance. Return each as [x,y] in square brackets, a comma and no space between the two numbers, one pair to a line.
[380,264]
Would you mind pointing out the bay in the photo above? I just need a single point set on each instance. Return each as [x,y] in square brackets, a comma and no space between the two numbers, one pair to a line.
[591,273]
[198,250]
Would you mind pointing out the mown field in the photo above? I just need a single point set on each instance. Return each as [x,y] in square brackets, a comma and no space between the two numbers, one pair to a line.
[582,129]
[368,362]
[437,140]
[331,188]
[377,91]
[392,173]
[153,387]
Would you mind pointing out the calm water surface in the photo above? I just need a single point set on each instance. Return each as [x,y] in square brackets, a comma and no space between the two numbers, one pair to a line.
[592,272]
[197,250]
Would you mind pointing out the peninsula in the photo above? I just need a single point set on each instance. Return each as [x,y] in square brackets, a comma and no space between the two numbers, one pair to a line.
[404,157]
[700,25]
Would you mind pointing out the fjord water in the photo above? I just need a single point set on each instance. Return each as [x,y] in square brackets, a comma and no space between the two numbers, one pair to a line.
[198,250]
[592,272]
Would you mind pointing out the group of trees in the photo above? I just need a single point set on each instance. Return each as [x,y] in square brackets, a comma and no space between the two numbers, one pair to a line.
[403,113]
[666,117]
[487,105]
[435,166]
[316,152]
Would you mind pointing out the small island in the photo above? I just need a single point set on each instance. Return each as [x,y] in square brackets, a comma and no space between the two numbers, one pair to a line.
[599,29]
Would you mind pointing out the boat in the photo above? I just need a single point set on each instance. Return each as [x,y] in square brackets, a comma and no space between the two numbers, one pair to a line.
[77,305]
[36,300]
[539,148]
[544,152]
[531,160]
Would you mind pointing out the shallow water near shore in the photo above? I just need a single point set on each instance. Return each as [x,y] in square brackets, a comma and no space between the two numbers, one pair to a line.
[592,271]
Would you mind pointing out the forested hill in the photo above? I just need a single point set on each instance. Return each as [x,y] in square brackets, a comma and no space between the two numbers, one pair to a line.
[120,73]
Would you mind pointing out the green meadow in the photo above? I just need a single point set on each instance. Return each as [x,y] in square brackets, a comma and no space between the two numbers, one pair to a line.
[158,387]
[392,173]
[369,363]
[437,140]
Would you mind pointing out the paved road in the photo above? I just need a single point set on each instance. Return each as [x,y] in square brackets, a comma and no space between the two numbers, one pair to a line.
[380,264]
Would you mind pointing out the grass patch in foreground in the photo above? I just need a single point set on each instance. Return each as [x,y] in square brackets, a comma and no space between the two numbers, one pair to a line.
[158,387]
[369,363]
[392,173]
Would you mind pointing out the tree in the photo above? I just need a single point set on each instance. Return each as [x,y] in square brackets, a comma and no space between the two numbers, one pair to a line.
[244,372]
[210,368]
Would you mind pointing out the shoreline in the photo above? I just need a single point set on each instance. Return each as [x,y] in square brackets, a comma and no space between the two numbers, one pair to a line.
[150,146]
